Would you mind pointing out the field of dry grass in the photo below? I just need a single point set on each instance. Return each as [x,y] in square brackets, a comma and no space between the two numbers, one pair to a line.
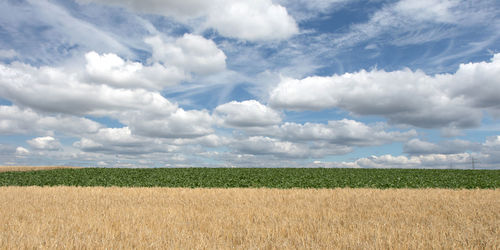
[30,168]
[96,218]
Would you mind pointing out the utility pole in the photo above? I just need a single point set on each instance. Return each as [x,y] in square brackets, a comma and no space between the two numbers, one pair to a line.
[473,162]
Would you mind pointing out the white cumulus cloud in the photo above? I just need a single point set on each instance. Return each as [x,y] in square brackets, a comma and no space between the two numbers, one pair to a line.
[45,143]
[461,160]
[121,141]
[342,132]
[58,90]
[403,96]
[252,20]
[264,145]
[67,93]
[178,124]
[308,140]
[15,120]
[112,70]
[190,52]
[249,113]
[419,147]
[22,151]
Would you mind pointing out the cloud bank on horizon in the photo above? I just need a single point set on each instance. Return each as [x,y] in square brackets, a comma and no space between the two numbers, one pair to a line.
[322,83]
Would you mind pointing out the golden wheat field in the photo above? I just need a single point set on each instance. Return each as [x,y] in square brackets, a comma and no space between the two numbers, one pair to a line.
[30,168]
[179,218]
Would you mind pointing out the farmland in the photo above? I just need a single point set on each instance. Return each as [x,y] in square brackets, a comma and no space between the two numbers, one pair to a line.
[30,168]
[220,208]
[175,218]
[256,178]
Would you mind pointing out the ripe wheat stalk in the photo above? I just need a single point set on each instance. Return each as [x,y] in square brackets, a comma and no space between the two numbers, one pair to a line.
[173,218]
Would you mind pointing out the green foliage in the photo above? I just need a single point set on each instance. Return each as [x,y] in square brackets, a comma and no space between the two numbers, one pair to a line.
[256,177]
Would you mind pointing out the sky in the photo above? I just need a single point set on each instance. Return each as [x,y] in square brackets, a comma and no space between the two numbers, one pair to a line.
[250,83]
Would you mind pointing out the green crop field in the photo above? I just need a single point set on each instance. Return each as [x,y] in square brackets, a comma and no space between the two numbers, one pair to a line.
[256,177]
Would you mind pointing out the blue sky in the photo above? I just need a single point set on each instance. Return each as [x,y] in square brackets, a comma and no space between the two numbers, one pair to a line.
[317,83]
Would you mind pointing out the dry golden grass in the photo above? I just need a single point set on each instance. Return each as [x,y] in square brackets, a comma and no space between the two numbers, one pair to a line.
[30,168]
[178,218]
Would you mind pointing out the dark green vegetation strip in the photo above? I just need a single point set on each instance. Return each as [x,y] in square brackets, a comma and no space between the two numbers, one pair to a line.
[256,177]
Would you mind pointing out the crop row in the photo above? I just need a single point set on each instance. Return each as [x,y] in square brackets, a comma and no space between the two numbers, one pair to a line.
[256,177]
